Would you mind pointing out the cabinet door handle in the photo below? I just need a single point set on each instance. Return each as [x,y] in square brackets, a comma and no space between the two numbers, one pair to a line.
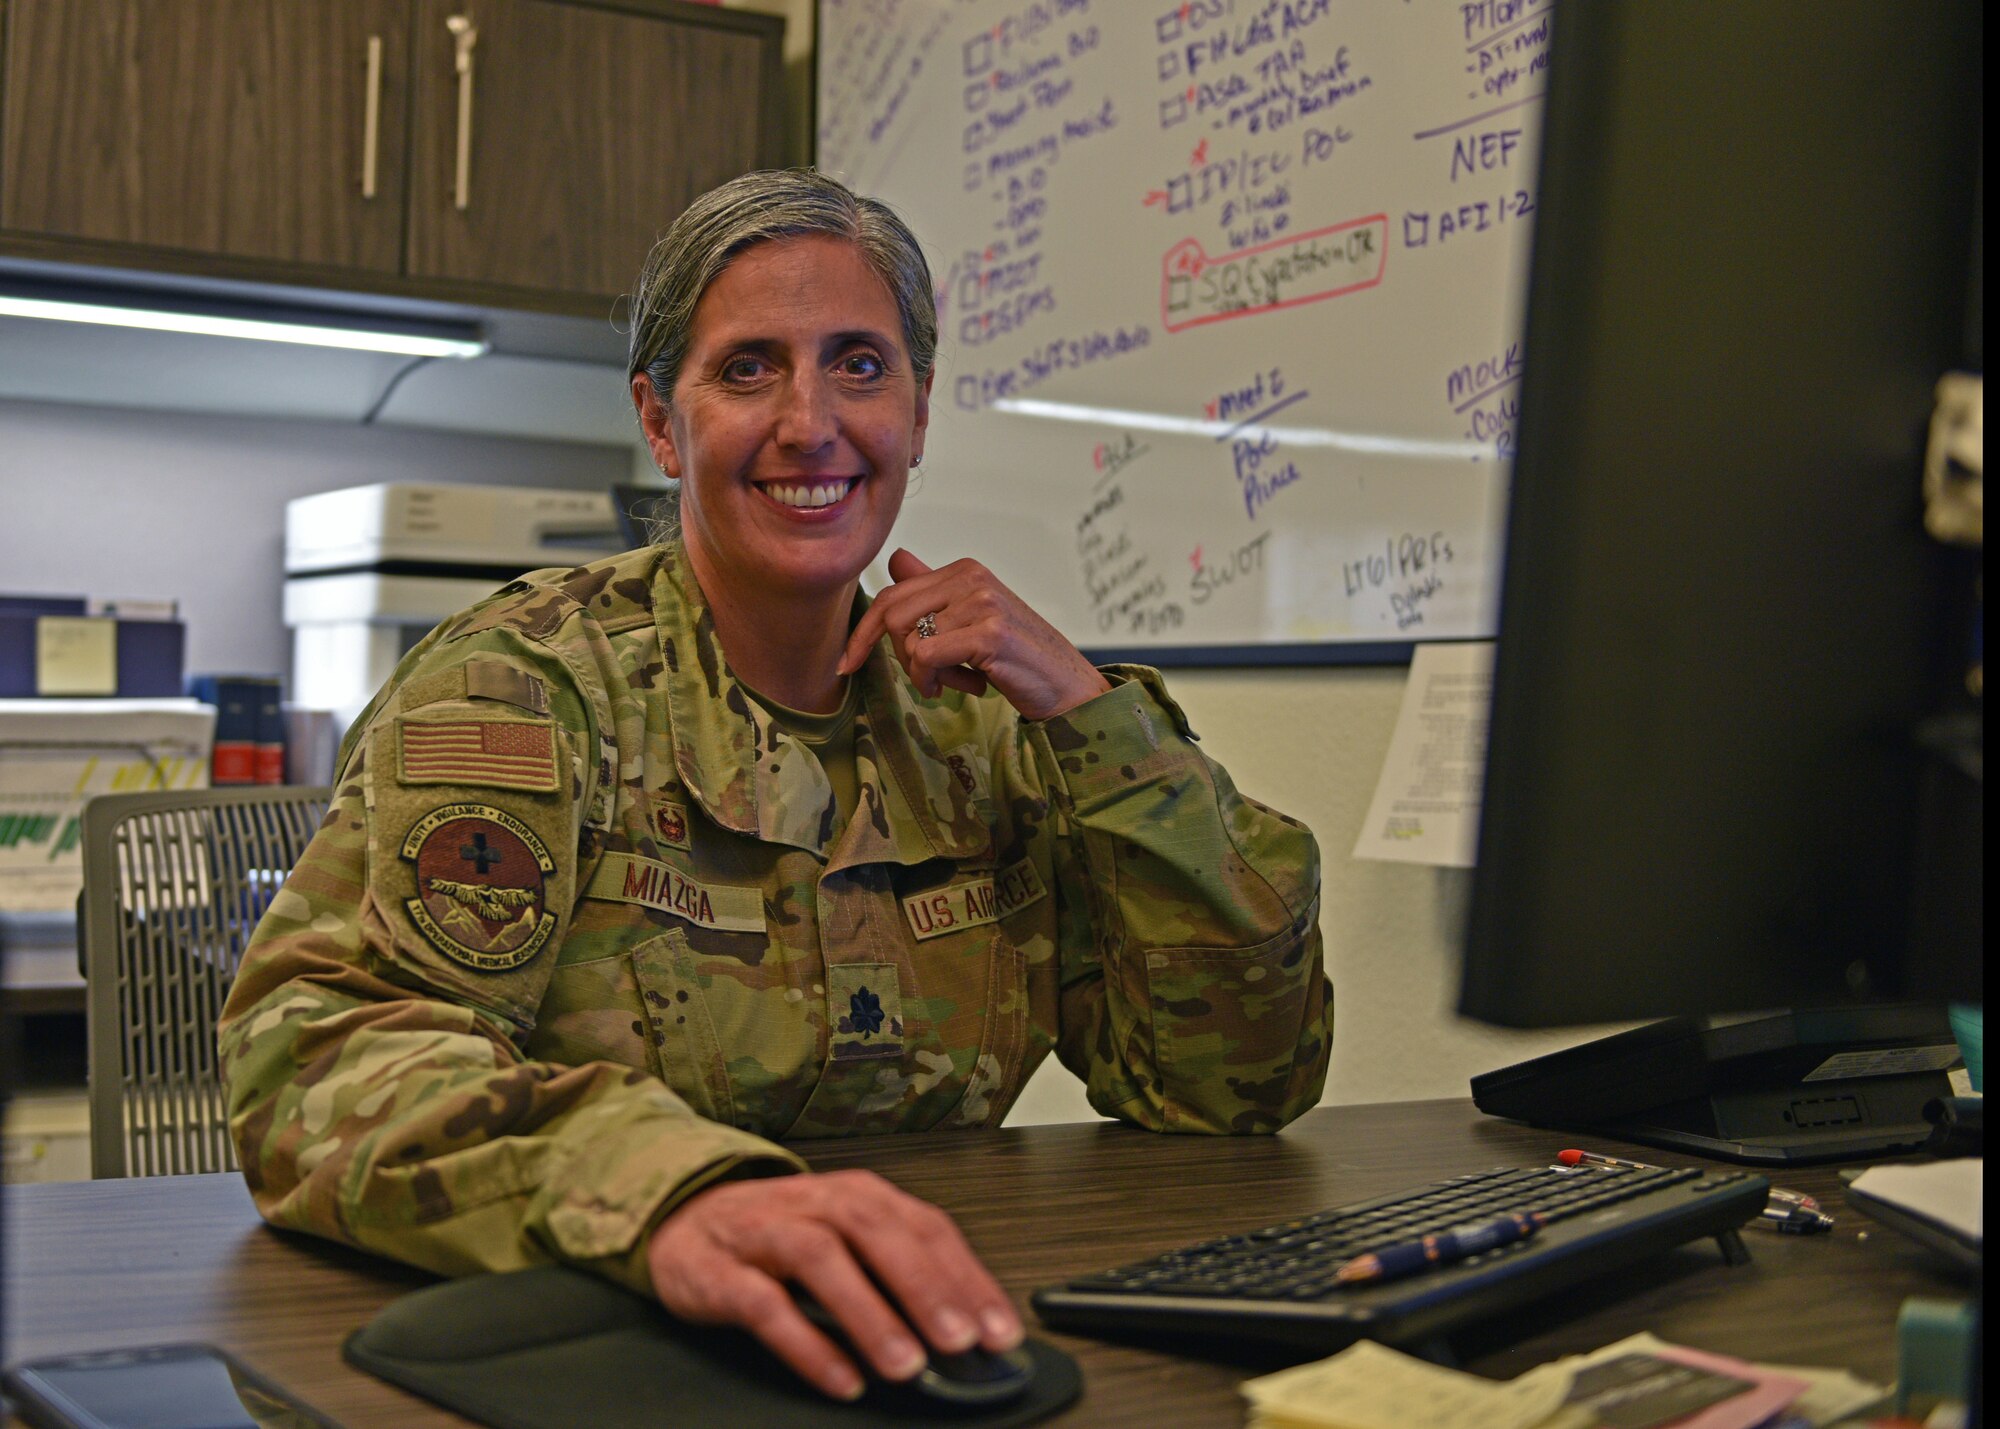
[465,35]
[371,117]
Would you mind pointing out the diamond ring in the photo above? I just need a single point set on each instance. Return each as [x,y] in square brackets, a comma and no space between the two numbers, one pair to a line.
[927,626]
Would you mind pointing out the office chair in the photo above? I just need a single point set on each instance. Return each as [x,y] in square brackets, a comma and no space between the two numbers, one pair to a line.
[173,884]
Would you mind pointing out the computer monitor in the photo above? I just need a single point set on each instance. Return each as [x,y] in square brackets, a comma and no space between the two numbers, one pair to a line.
[1723,627]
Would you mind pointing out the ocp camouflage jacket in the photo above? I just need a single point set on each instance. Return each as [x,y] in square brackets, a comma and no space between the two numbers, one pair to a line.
[580,931]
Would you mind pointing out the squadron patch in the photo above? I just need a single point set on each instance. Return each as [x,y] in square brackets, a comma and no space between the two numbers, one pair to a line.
[481,886]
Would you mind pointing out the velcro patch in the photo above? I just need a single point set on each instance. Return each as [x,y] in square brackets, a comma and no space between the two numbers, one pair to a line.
[670,824]
[864,1013]
[628,878]
[482,879]
[973,902]
[964,762]
[494,754]
[487,679]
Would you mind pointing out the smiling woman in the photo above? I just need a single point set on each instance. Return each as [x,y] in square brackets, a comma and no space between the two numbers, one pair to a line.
[792,426]
[633,866]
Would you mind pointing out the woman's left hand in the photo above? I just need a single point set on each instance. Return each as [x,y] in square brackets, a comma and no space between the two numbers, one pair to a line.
[981,632]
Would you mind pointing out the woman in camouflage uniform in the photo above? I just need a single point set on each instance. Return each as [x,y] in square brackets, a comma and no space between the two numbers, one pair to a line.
[633,866]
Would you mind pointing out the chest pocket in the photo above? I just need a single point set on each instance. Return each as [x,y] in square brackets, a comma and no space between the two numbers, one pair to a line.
[938,945]
[675,1022]
[728,1029]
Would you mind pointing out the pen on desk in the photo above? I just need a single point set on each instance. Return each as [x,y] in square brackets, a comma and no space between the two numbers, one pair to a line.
[1794,1213]
[1440,1249]
[1793,1198]
[1591,1158]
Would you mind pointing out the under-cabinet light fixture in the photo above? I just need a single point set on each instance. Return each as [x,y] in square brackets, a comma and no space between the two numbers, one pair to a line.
[168,312]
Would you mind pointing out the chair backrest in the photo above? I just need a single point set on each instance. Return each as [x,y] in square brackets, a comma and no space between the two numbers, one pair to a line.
[173,884]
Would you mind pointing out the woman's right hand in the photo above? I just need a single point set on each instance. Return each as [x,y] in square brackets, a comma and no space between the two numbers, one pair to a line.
[728,1255]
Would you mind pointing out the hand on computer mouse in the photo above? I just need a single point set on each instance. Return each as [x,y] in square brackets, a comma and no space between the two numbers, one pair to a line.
[968,1379]
[727,1256]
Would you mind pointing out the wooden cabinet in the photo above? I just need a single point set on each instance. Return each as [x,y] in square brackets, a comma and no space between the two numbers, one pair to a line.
[232,127]
[560,194]
[507,153]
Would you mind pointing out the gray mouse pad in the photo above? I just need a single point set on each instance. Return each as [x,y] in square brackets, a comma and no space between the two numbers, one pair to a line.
[552,1347]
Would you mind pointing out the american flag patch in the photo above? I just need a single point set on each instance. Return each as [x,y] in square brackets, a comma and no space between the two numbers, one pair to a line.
[497,754]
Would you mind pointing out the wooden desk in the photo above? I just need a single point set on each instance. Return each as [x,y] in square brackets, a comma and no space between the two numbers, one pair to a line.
[112,1263]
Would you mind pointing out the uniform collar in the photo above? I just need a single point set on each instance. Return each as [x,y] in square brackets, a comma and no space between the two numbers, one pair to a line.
[752,778]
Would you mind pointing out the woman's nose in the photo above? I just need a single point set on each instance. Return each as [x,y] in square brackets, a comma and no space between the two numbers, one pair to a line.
[806,422]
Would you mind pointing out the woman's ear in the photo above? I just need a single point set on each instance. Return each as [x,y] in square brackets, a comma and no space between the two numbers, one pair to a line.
[923,418]
[656,423]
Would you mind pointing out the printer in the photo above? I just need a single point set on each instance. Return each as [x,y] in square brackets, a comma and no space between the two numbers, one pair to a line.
[371,570]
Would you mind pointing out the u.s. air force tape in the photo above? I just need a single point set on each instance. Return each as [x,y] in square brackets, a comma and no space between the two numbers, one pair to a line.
[628,878]
[973,902]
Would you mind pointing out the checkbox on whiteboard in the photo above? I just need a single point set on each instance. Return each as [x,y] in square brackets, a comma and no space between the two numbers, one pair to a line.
[1173,111]
[976,96]
[972,176]
[1170,64]
[971,329]
[968,394]
[968,291]
[1179,292]
[979,54]
[1168,26]
[1180,194]
[973,134]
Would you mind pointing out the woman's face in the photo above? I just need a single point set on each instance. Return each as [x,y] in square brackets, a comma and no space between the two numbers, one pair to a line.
[794,421]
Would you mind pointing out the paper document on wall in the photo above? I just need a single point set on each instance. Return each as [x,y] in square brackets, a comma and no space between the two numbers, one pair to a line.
[1426,806]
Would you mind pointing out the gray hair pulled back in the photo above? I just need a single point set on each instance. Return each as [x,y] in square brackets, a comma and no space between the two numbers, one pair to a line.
[758,208]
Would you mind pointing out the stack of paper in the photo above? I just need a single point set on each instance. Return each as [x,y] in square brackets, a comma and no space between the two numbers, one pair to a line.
[1369,1386]
[55,754]
[1635,1384]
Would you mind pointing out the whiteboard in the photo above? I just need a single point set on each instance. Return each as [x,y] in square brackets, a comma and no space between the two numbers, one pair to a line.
[1230,297]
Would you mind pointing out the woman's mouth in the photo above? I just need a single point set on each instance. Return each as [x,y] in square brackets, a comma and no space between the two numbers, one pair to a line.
[809,495]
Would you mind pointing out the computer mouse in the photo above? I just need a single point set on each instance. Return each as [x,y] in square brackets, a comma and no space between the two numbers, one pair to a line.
[970,1379]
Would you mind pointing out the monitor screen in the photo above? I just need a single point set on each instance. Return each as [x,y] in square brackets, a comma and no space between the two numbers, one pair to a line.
[1723,627]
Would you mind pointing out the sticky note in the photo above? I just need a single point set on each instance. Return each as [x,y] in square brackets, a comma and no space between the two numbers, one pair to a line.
[76,655]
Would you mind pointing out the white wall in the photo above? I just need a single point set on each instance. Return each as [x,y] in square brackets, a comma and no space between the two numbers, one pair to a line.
[115,502]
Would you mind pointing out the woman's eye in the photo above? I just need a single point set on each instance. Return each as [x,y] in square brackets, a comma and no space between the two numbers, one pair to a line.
[742,369]
[861,364]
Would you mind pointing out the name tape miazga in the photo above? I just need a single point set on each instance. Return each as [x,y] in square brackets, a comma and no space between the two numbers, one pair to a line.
[628,878]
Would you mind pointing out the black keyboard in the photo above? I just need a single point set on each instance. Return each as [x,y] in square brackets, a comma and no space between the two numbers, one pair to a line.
[1277,1284]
